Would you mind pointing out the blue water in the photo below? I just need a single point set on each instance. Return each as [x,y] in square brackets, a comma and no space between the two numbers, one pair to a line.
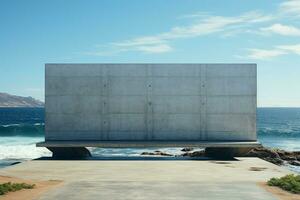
[279,127]
[21,128]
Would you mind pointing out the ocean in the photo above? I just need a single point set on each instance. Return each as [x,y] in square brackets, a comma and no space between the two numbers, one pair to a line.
[21,128]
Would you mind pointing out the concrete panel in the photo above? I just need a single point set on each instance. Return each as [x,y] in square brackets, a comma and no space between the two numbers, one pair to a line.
[230,136]
[237,123]
[231,86]
[176,86]
[231,104]
[67,70]
[127,104]
[176,136]
[232,70]
[75,135]
[174,70]
[127,86]
[77,122]
[127,136]
[74,104]
[73,85]
[179,104]
[177,122]
[127,122]
[150,102]
[127,70]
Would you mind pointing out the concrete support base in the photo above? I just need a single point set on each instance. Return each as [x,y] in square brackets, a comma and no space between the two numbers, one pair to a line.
[70,152]
[226,152]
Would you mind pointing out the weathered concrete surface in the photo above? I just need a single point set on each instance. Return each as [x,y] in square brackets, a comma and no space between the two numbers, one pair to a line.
[143,144]
[152,179]
[151,102]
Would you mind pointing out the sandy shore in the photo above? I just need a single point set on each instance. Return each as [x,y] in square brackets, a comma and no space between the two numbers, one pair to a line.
[279,193]
[28,194]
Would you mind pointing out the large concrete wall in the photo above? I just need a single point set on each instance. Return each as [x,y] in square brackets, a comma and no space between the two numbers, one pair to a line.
[151,102]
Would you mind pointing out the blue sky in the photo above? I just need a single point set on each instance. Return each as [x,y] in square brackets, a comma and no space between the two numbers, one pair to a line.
[35,32]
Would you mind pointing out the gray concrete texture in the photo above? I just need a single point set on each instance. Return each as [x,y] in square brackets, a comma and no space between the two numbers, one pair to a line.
[149,180]
[151,102]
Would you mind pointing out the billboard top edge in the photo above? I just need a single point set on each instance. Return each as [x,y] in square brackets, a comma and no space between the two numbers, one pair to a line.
[46,64]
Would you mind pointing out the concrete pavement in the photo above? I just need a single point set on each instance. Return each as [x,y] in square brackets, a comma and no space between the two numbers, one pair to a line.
[151,179]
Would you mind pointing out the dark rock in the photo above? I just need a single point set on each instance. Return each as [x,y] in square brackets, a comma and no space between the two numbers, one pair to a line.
[269,155]
[156,153]
[297,155]
[286,155]
[276,156]
[187,149]
[15,163]
[226,152]
[200,153]
[294,162]
[262,152]
[276,161]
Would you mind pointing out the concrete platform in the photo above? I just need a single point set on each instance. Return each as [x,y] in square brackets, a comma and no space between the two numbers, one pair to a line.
[152,179]
[143,144]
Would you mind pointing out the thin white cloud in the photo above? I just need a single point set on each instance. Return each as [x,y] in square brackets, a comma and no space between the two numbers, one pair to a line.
[267,54]
[161,48]
[290,7]
[161,42]
[290,48]
[203,23]
[195,15]
[282,30]
[264,54]
[147,40]
[107,52]
[205,26]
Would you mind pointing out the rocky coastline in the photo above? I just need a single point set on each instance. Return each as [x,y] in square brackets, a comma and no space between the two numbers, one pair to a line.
[275,156]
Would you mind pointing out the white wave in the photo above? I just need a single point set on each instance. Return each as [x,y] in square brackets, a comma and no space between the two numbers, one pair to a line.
[38,124]
[9,125]
[19,140]
[23,152]
[132,151]
[23,148]
[293,168]
[22,124]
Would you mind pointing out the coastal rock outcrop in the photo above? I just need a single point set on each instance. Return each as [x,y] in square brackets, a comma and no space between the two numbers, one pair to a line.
[156,153]
[187,149]
[276,156]
[200,153]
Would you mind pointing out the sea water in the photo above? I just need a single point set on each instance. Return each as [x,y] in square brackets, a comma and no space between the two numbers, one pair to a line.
[22,128]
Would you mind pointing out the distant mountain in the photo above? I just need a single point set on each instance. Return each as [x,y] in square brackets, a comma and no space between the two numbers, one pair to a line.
[8,100]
